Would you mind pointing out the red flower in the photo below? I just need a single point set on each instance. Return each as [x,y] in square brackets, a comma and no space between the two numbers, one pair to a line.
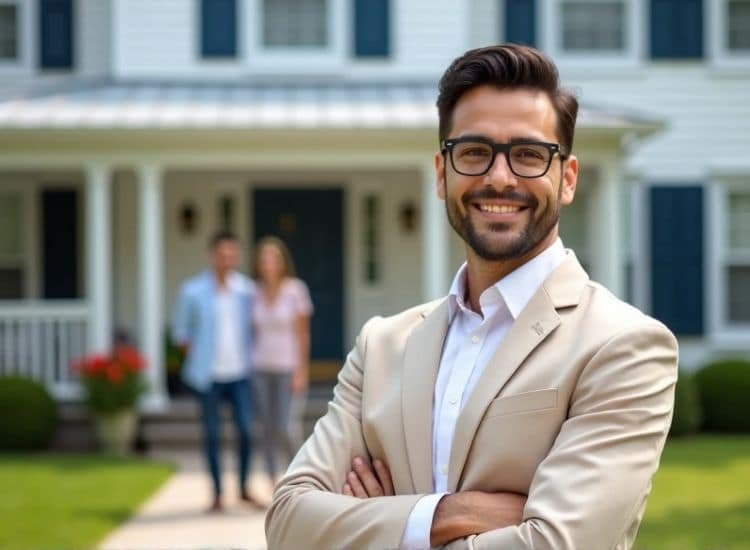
[114,374]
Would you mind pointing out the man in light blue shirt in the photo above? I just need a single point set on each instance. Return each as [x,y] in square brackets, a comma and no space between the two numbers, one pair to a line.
[212,324]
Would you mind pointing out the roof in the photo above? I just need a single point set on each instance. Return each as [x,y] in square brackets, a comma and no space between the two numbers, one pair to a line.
[179,105]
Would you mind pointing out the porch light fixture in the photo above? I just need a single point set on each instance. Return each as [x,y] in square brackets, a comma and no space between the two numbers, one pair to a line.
[188,218]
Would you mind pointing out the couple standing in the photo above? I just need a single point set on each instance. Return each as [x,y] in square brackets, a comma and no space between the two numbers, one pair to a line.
[231,327]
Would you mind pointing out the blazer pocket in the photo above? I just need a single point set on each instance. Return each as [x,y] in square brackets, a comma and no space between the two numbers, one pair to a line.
[522,403]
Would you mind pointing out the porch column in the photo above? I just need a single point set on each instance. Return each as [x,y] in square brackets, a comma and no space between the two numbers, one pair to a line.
[99,256]
[607,258]
[435,238]
[151,319]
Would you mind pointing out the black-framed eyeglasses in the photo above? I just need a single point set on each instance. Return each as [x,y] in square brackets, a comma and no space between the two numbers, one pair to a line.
[474,155]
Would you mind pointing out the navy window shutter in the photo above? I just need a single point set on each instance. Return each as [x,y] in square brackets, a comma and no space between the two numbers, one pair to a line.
[520,21]
[676,29]
[372,28]
[56,34]
[677,257]
[218,28]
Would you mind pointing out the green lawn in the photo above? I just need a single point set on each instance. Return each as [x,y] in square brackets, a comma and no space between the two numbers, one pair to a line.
[70,501]
[701,496]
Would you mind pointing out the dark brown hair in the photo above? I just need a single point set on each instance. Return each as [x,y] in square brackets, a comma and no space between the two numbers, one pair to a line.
[507,66]
[279,245]
[220,237]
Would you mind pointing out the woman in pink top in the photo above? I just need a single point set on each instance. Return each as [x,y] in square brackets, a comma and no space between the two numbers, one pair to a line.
[281,344]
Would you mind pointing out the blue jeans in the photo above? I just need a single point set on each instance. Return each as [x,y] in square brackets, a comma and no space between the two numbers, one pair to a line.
[238,395]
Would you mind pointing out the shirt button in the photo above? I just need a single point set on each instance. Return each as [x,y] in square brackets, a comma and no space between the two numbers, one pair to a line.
[443,469]
[452,400]
[475,338]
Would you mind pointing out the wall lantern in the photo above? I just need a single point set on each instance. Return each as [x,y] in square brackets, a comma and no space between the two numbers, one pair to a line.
[407,216]
[188,218]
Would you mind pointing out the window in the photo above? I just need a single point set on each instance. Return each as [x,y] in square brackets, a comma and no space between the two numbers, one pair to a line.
[11,246]
[371,238]
[738,31]
[295,23]
[593,26]
[8,32]
[737,257]
[604,34]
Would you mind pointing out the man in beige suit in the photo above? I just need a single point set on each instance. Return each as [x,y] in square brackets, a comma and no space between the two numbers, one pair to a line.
[529,408]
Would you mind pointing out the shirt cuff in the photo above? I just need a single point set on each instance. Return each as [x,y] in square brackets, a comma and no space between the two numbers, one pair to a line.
[417,532]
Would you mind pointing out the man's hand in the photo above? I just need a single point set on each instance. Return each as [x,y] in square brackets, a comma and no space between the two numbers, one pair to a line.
[467,513]
[362,482]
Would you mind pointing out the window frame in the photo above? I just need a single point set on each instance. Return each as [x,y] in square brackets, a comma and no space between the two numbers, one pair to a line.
[719,259]
[717,41]
[22,32]
[730,257]
[301,60]
[635,37]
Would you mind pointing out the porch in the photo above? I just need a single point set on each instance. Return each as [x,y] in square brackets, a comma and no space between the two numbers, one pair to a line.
[139,157]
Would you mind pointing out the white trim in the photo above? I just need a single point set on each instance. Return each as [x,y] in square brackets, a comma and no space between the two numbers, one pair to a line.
[635,36]
[716,28]
[260,58]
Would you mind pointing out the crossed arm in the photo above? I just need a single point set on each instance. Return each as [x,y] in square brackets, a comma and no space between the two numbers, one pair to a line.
[588,491]
[457,515]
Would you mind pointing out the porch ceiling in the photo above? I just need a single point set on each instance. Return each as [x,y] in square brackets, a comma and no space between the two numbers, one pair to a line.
[183,107]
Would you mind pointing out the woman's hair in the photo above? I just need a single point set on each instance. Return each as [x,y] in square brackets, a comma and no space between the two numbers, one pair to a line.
[288,269]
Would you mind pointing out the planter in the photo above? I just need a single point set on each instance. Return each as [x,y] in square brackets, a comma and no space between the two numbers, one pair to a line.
[116,431]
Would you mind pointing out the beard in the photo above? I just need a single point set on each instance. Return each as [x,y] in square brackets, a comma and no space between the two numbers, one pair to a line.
[496,243]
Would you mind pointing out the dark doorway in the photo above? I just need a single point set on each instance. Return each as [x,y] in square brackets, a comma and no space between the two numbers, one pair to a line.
[310,223]
[60,244]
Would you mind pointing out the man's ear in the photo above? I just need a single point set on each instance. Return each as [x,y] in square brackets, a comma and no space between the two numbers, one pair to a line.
[440,174]
[569,180]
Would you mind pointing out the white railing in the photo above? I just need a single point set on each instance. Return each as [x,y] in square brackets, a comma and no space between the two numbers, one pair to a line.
[41,339]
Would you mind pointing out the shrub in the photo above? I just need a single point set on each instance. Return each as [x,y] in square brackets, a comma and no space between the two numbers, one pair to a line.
[724,389]
[28,414]
[687,407]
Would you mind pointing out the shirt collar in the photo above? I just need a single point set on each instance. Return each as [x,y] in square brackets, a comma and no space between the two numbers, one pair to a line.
[516,288]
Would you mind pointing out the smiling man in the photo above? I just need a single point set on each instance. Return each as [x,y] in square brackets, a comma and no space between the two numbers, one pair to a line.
[529,407]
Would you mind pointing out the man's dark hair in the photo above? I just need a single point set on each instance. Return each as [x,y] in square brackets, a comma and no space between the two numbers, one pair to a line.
[221,236]
[507,66]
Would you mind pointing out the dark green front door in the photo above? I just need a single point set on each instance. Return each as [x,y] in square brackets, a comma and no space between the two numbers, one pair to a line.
[310,222]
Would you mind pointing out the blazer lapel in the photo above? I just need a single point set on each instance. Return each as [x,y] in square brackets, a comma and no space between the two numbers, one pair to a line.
[421,361]
[537,321]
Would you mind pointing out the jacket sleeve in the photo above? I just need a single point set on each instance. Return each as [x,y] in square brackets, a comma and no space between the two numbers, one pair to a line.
[308,509]
[588,491]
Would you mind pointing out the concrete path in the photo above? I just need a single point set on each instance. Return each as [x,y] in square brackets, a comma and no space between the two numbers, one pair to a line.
[175,516]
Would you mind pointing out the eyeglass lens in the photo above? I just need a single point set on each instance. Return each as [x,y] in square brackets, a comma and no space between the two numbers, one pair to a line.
[475,158]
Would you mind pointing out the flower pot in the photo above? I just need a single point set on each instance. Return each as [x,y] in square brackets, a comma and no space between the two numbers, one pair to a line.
[116,430]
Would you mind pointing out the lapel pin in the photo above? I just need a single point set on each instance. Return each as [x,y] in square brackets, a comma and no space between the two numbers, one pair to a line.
[538,328]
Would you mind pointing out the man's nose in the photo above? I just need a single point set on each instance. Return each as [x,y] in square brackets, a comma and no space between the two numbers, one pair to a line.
[500,173]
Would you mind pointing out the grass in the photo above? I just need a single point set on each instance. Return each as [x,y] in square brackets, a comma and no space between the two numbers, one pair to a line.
[70,501]
[701,496]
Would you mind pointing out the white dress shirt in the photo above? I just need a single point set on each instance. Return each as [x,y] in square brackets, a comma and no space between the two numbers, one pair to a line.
[469,345]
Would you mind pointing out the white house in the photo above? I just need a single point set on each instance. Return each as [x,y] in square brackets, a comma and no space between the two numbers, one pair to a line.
[130,130]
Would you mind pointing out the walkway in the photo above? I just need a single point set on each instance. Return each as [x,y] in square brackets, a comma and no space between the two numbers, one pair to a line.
[175,516]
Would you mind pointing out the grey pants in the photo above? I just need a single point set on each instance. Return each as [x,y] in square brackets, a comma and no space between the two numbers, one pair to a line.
[273,397]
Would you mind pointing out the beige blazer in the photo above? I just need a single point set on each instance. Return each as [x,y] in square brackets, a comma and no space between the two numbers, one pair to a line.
[572,410]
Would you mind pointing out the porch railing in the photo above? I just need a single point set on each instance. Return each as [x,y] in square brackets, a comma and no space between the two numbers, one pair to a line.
[40,340]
